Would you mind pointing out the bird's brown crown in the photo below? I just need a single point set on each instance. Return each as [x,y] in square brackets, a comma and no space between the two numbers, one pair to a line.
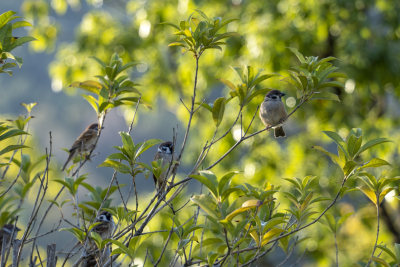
[94,126]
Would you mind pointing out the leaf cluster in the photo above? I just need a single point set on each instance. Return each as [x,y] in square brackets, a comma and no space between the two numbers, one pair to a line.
[112,89]
[313,75]
[197,35]
[9,42]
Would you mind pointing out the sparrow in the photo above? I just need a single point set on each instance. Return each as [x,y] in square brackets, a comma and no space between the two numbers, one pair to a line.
[5,232]
[273,113]
[93,256]
[84,143]
[165,153]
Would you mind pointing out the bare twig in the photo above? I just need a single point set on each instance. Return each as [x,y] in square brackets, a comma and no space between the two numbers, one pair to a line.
[166,244]
[39,200]
[16,245]
[51,255]
[377,229]
[336,250]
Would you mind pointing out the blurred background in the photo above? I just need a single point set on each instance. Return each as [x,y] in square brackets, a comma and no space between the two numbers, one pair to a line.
[363,35]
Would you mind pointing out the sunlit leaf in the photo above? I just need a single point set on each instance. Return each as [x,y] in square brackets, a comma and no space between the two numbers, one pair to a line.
[90,86]
[369,193]
[218,110]
[372,143]
[375,162]
[207,204]
[271,235]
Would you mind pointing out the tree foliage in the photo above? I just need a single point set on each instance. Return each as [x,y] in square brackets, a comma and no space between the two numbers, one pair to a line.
[258,196]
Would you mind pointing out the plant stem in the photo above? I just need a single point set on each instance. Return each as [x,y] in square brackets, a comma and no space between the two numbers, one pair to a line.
[377,229]
[191,110]
[337,251]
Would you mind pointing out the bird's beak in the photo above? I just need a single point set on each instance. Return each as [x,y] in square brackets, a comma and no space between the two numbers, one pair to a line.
[283,94]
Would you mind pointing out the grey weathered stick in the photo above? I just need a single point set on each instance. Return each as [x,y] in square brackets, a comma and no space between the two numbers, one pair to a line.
[51,255]
[16,245]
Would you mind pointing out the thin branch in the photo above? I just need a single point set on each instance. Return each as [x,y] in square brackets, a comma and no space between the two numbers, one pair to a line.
[289,254]
[39,200]
[191,111]
[184,104]
[166,244]
[336,250]
[377,229]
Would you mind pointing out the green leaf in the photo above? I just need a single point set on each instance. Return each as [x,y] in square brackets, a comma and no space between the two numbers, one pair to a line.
[273,222]
[384,193]
[369,193]
[78,233]
[91,86]
[381,261]
[98,61]
[170,24]
[225,181]
[343,218]
[372,143]
[353,144]
[331,222]
[128,144]
[330,84]
[146,145]
[229,84]
[211,257]
[218,110]
[249,204]
[121,248]
[22,23]
[182,44]
[389,252]
[118,166]
[29,106]
[299,56]
[349,167]
[22,40]
[338,140]
[207,204]
[11,133]
[6,17]
[92,102]
[325,96]
[332,156]
[11,148]
[375,162]
[209,180]
[201,13]
[274,232]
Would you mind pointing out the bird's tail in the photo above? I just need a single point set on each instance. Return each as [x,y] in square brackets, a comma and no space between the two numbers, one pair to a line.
[160,189]
[68,160]
[279,132]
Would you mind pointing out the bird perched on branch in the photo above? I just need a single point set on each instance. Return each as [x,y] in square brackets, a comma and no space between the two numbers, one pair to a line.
[273,113]
[165,153]
[93,256]
[6,232]
[85,142]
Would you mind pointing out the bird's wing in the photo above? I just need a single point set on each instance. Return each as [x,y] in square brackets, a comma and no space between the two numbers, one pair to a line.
[82,139]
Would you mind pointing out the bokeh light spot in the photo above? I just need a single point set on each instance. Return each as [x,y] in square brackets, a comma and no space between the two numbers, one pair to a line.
[144,29]
[291,102]
[237,132]
[56,85]
[349,86]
